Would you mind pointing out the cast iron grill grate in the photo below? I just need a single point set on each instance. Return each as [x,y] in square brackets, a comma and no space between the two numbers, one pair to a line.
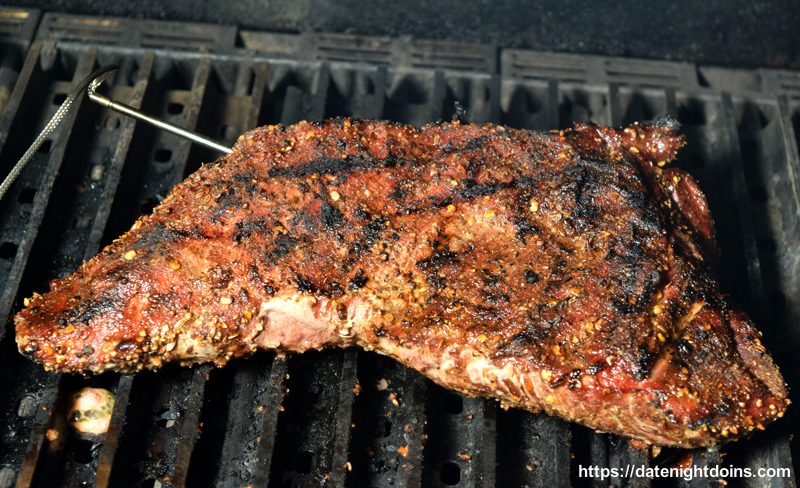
[344,418]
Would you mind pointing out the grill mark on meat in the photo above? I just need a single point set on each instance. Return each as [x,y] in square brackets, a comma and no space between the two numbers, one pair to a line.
[524,228]
[473,189]
[370,234]
[244,228]
[160,234]
[433,265]
[282,245]
[336,166]
[417,243]
[86,311]
[471,145]
[644,362]
[536,330]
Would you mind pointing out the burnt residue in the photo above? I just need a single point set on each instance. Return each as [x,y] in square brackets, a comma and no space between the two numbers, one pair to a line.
[282,245]
[437,260]
[358,281]
[531,277]
[434,266]
[304,284]
[524,228]
[161,233]
[330,215]
[643,364]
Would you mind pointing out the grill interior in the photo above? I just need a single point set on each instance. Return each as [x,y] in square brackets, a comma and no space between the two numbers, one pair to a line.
[345,418]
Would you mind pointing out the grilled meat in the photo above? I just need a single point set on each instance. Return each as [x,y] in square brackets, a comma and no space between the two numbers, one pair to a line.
[564,272]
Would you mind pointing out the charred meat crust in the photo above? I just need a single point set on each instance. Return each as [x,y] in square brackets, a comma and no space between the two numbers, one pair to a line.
[560,271]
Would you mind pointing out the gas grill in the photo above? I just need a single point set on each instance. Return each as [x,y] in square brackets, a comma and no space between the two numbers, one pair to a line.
[346,417]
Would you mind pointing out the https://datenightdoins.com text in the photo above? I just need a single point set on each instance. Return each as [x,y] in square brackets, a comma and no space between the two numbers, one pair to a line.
[686,473]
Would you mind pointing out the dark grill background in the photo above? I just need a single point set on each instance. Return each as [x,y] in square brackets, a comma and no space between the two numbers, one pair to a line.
[296,421]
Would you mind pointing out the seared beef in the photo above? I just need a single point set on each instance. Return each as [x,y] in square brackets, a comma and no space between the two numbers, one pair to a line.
[558,271]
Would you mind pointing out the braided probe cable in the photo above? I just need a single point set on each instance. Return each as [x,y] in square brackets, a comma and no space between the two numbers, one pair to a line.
[95,79]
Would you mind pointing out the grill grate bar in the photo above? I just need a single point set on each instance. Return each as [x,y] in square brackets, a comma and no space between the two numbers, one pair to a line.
[486,469]
[389,437]
[322,447]
[21,95]
[461,440]
[362,104]
[762,449]
[409,443]
[784,158]
[299,105]
[189,119]
[48,428]
[727,143]
[738,187]
[536,452]
[233,470]
[394,452]
[307,425]
[257,93]
[17,26]
[785,331]
[39,436]
[269,426]
[700,459]
[115,430]
[622,454]
[49,401]
[246,424]
[343,418]
[189,429]
[711,123]
[159,419]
